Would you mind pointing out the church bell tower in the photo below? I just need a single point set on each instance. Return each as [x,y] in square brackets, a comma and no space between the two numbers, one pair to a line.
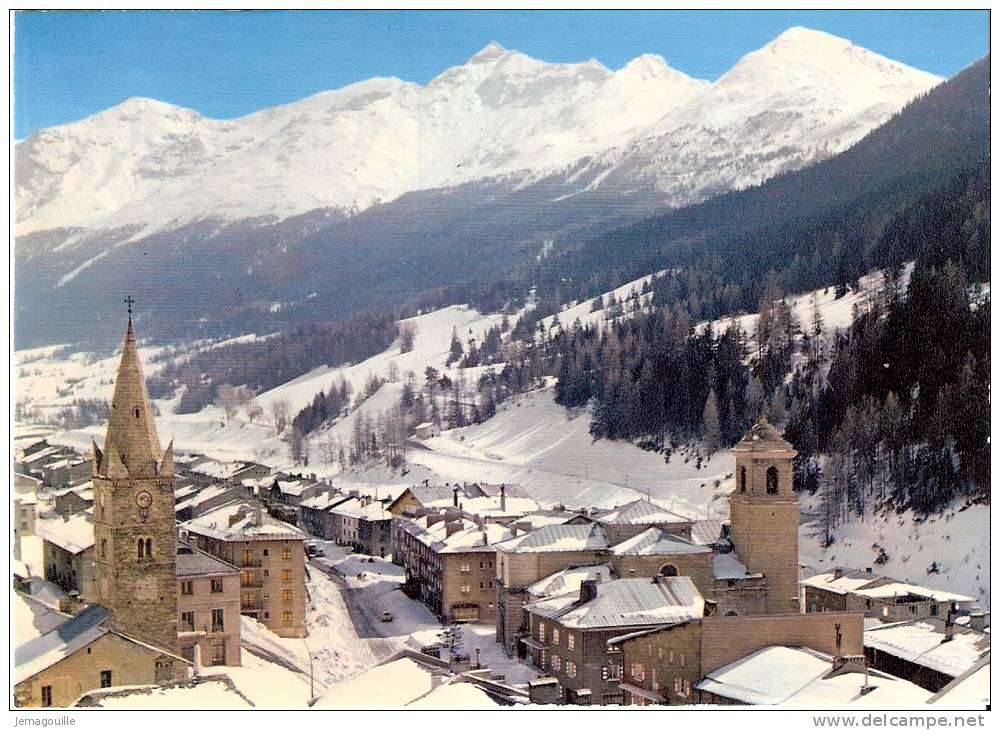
[134,525]
[764,514]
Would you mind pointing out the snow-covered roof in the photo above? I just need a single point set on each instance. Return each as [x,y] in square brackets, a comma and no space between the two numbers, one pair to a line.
[394,684]
[192,563]
[706,532]
[26,498]
[249,524]
[425,424]
[657,541]
[212,692]
[357,509]
[568,580]
[921,641]
[77,488]
[293,488]
[216,490]
[626,602]
[762,437]
[726,566]
[781,675]
[558,538]
[55,645]
[41,455]
[218,469]
[73,535]
[454,695]
[33,618]
[542,518]
[468,537]
[869,585]
[322,501]
[972,688]
[640,512]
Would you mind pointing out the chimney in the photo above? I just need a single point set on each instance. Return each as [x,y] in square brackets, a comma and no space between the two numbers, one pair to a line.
[450,528]
[426,482]
[837,642]
[486,536]
[839,573]
[503,498]
[949,627]
[868,570]
[977,621]
[312,476]
[588,590]
[454,499]
[513,529]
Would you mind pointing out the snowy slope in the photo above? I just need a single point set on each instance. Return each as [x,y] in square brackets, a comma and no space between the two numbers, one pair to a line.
[157,166]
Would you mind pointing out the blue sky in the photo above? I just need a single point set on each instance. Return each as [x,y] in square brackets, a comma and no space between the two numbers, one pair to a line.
[69,64]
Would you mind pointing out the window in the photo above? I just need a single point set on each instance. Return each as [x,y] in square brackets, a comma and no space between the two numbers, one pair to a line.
[743,479]
[682,659]
[47,696]
[286,595]
[104,546]
[570,640]
[265,552]
[106,678]
[149,547]
[286,553]
[556,662]
[466,588]
[669,570]
[218,654]
[141,549]
[286,618]
[187,621]
[464,568]
[216,585]
[286,574]
[541,631]
[686,688]
[659,653]
[267,572]
[677,685]
[555,634]
[772,480]
[655,684]
[247,557]
[571,669]
[187,588]
[218,619]
[135,411]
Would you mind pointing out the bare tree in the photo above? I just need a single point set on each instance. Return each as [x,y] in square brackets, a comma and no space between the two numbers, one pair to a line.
[227,399]
[254,410]
[279,412]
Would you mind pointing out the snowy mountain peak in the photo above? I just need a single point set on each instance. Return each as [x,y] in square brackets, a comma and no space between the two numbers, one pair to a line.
[648,64]
[491,52]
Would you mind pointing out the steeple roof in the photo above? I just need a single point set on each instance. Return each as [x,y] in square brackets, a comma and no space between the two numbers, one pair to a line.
[131,440]
[763,437]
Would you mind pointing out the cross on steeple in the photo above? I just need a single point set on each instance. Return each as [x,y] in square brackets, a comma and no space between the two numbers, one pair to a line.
[129,301]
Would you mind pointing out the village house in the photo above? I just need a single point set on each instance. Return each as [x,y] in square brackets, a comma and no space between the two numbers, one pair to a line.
[67,656]
[66,472]
[503,503]
[570,632]
[208,608]
[25,511]
[34,460]
[363,525]
[201,501]
[426,430]
[68,553]
[449,564]
[638,516]
[801,677]
[930,651]
[72,500]
[663,665]
[315,516]
[271,557]
[886,599]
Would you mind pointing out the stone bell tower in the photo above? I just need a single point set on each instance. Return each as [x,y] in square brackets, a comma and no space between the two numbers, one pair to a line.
[764,514]
[134,526]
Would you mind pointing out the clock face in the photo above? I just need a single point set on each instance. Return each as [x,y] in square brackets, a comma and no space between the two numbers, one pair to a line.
[143,499]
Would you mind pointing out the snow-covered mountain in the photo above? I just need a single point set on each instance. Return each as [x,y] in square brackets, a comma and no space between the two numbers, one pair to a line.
[153,166]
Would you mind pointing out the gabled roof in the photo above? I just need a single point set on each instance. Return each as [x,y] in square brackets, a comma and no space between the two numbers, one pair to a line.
[726,566]
[558,538]
[922,641]
[640,512]
[706,532]
[869,585]
[65,639]
[73,535]
[782,675]
[192,563]
[657,541]
[763,437]
[626,602]
[249,524]
[568,580]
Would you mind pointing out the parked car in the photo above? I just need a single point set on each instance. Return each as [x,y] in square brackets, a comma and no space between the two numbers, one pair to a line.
[386,617]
